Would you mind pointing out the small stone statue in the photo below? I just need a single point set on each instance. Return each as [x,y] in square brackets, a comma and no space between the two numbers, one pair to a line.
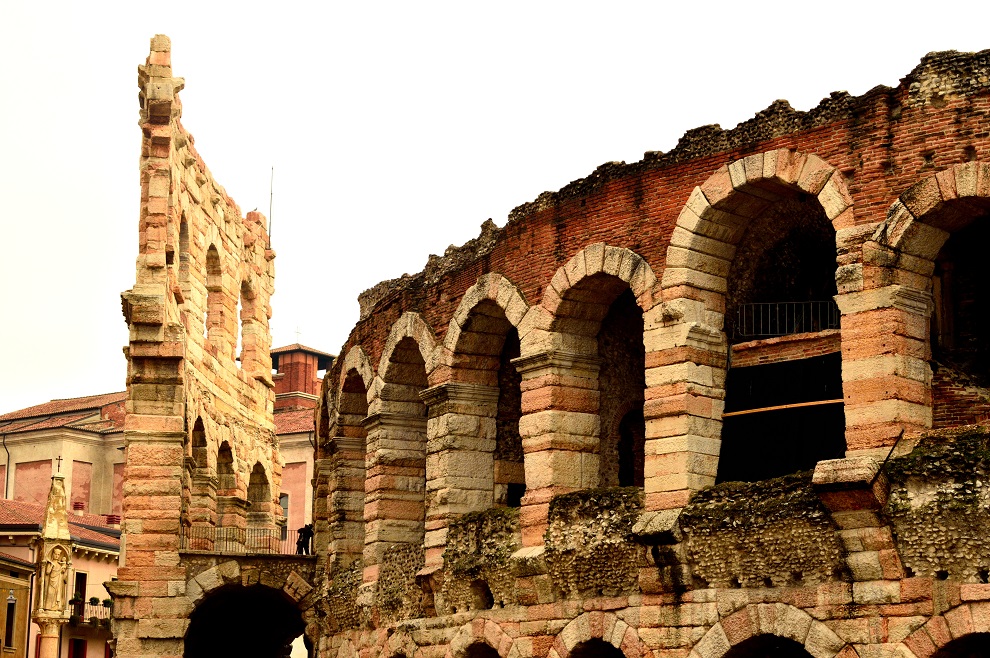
[56,574]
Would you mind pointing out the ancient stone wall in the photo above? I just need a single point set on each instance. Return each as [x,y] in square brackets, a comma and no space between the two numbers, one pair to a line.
[859,556]
[202,458]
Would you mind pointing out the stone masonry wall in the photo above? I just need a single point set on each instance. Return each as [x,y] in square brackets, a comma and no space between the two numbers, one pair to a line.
[199,372]
[847,560]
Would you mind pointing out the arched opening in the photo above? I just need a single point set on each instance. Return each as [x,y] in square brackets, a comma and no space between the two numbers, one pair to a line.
[596,648]
[244,351]
[487,394]
[259,492]
[622,383]
[480,650]
[960,325]
[395,497]
[227,478]
[973,645]
[348,452]
[783,390]
[262,534]
[768,646]
[252,622]
[200,450]
[213,325]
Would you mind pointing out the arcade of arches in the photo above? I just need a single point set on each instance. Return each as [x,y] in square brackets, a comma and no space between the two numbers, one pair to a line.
[726,401]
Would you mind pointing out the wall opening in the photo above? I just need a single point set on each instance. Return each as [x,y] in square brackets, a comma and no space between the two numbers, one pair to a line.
[480,650]
[346,486]
[199,447]
[768,646]
[622,383]
[227,479]
[510,474]
[253,622]
[213,324]
[596,648]
[785,415]
[973,645]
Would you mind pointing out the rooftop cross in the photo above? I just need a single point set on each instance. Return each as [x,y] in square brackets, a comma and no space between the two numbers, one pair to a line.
[58,464]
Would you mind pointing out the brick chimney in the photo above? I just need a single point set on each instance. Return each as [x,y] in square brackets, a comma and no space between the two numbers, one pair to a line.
[297,380]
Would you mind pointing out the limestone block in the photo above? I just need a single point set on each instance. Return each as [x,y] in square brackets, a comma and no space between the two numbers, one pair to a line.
[161,628]
[822,642]
[794,623]
[683,425]
[877,592]
[565,422]
[834,197]
[594,258]
[554,468]
[679,276]
[696,241]
[715,225]
[886,365]
[686,258]
[576,269]
[814,175]
[898,411]
[701,445]
[849,278]
[714,644]
[681,372]
[966,175]
[922,197]
[865,565]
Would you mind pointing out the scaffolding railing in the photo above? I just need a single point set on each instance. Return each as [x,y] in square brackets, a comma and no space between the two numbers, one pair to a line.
[235,541]
[774,319]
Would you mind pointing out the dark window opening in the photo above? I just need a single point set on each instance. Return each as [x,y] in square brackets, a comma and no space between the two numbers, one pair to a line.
[480,650]
[632,444]
[481,595]
[508,464]
[514,494]
[596,648]
[8,629]
[781,418]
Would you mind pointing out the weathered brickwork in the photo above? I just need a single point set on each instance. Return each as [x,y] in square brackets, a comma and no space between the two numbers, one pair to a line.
[203,464]
[623,291]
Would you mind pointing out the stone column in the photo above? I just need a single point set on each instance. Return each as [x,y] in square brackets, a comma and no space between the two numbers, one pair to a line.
[685,397]
[560,431]
[52,572]
[886,379]
[460,466]
[344,499]
[394,487]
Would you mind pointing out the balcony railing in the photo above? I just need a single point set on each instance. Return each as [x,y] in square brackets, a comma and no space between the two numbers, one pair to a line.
[773,319]
[236,541]
[86,611]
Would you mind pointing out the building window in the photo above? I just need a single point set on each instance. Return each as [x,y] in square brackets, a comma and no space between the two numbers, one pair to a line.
[283,500]
[8,629]
[77,647]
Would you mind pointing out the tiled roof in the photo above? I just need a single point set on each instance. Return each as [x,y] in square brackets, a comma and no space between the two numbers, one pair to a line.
[69,404]
[91,529]
[16,560]
[291,422]
[94,413]
[298,347]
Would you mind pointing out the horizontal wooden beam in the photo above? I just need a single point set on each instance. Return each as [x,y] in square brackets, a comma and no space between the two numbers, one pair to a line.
[796,405]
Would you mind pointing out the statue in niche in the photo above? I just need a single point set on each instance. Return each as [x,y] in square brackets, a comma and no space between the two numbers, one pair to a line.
[56,576]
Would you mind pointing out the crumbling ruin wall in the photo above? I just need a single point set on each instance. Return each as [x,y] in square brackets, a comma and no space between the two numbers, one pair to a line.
[199,375]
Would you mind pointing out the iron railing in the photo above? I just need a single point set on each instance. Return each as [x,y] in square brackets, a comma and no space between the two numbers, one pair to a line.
[772,319]
[87,611]
[235,541]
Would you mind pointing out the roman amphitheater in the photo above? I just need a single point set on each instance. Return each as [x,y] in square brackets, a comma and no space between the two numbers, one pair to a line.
[726,401]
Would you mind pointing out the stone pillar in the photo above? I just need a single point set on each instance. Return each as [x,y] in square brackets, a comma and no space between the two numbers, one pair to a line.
[886,379]
[685,397]
[394,507]
[560,431]
[460,466]
[52,572]
[344,498]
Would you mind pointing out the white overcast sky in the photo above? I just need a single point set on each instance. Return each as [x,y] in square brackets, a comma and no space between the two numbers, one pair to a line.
[394,129]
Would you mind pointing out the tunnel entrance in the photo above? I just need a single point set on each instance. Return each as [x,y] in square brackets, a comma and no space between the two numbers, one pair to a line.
[249,622]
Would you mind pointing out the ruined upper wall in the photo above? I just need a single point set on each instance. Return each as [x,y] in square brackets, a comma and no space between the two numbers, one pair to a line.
[861,134]
[205,276]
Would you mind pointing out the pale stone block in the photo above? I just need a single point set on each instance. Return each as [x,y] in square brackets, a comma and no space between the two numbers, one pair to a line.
[679,276]
[715,225]
[877,592]
[865,565]
[594,258]
[681,237]
[737,173]
[966,176]
[834,197]
[794,623]
[849,278]
[703,445]
[680,372]
[680,257]
[684,425]
[612,259]
[642,279]
[889,364]
[714,644]
[569,422]
[576,269]
[822,642]
[900,411]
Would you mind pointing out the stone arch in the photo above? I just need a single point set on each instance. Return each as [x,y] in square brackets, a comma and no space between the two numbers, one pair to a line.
[777,619]
[942,629]
[484,631]
[409,325]
[592,306]
[492,287]
[895,289]
[396,425]
[597,625]
[341,464]
[214,316]
[291,588]
[399,643]
[687,347]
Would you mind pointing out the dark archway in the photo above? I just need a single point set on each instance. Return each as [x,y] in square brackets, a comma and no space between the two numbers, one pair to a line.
[480,650]
[973,645]
[248,622]
[768,646]
[596,648]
